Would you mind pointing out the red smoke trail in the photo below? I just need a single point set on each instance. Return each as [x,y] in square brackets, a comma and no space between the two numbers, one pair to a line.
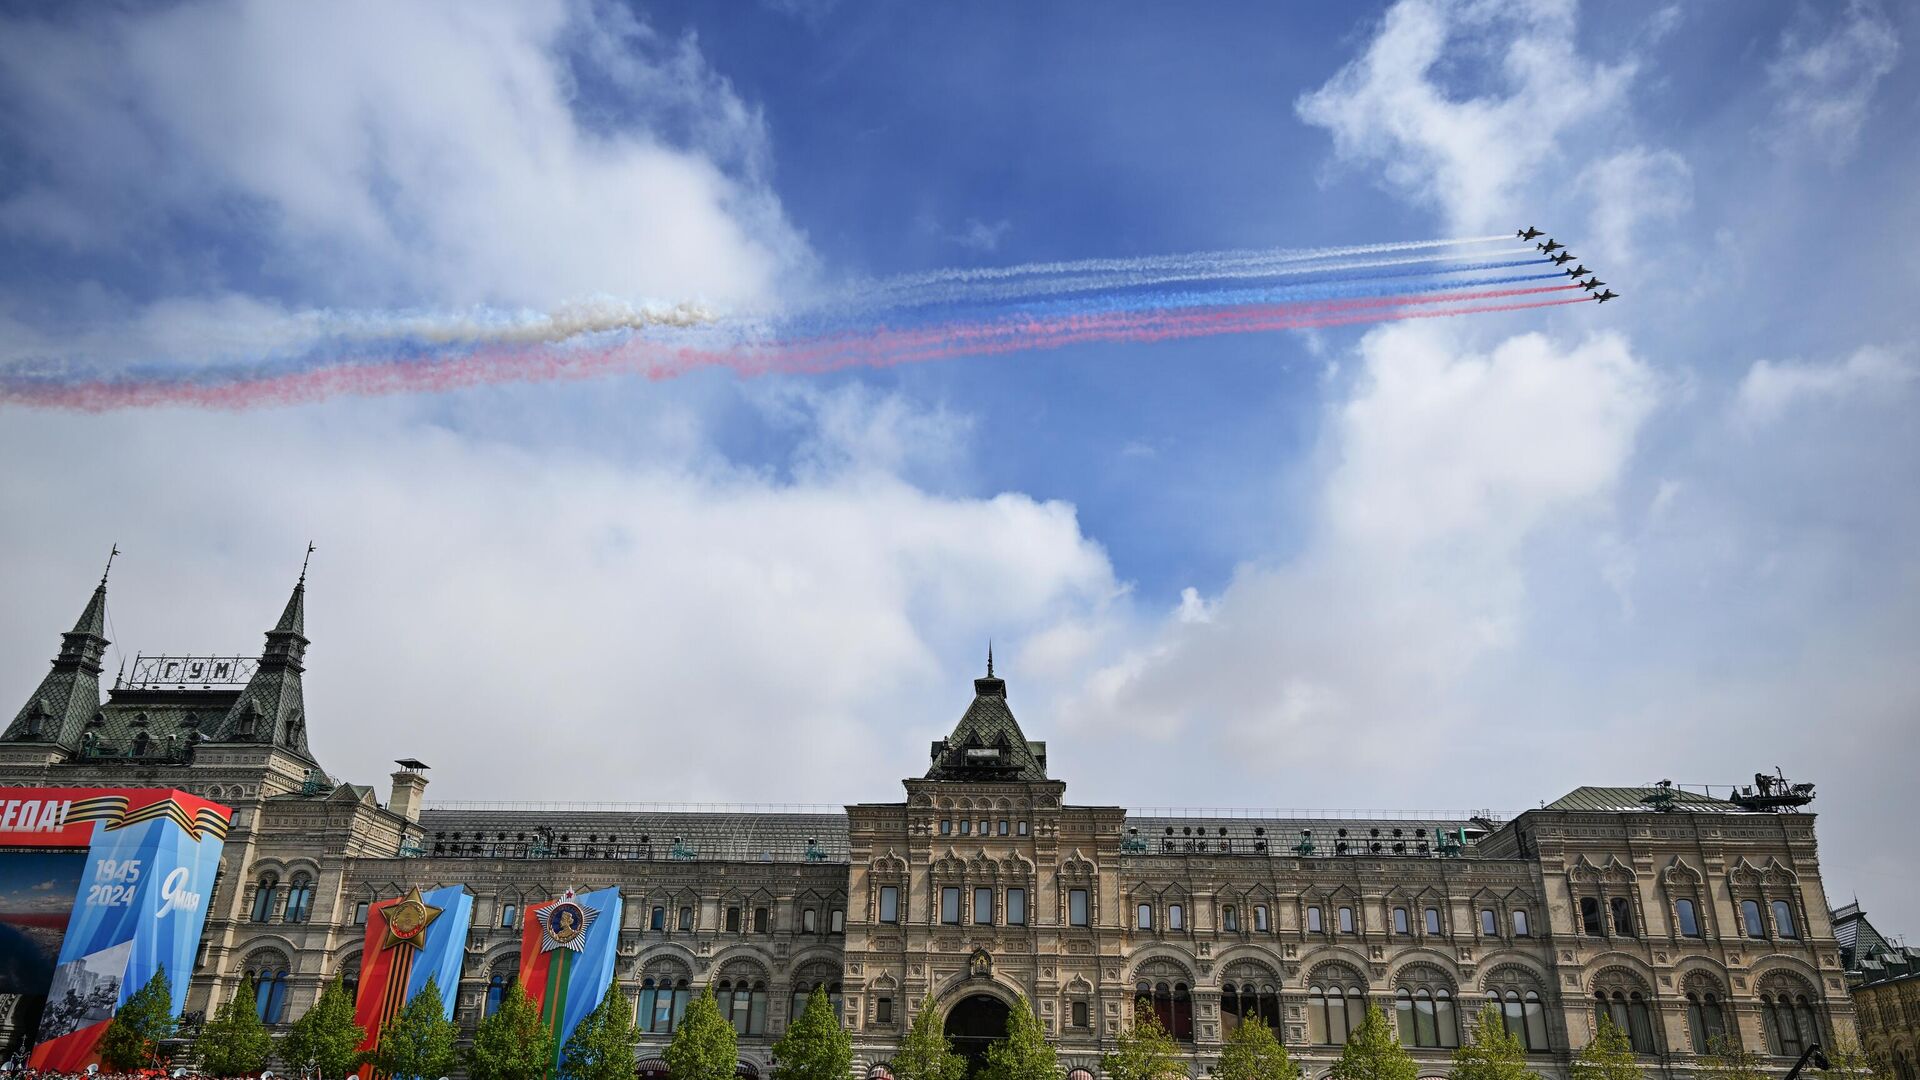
[657,360]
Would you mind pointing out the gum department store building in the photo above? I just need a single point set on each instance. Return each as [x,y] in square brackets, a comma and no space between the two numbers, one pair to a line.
[1682,916]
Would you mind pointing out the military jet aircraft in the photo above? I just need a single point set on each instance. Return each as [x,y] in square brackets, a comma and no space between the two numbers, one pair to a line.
[1550,246]
[1563,258]
[1527,233]
[1579,271]
[1603,297]
[1591,284]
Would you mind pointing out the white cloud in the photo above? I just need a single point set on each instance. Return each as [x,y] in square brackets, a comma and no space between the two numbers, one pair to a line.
[1631,192]
[1468,153]
[1824,79]
[1772,388]
[546,623]
[1446,463]
[390,155]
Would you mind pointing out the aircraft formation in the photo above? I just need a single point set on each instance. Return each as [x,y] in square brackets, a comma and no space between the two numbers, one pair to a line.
[1549,246]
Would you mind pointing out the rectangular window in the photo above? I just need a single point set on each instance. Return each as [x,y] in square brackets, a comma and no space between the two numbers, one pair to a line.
[966,826]
[1176,917]
[983,907]
[659,921]
[506,915]
[985,827]
[1689,922]
[950,906]
[883,1010]
[946,826]
[761,921]
[1783,919]
[1023,828]
[686,918]
[1143,917]
[1346,920]
[1260,917]
[836,921]
[1077,907]
[733,920]
[1313,920]
[1003,826]
[1489,922]
[1079,1014]
[889,904]
[1016,907]
[1750,914]
[1433,920]
[1520,927]
[1228,920]
[809,922]
[360,913]
[1400,924]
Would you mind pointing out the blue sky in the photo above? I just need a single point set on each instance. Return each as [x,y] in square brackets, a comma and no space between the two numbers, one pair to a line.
[1445,565]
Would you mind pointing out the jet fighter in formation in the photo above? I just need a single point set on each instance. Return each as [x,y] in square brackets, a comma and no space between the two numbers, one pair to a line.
[1547,248]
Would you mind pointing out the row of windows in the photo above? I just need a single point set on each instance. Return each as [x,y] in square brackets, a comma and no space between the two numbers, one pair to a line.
[1686,916]
[663,1004]
[1403,921]
[982,908]
[966,827]
[299,899]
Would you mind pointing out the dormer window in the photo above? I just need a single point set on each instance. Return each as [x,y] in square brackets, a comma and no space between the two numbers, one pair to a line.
[140,720]
[99,720]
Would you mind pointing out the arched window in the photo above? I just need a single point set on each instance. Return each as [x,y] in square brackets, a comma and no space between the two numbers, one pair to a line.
[1143,917]
[1400,923]
[743,1004]
[663,1001]
[497,988]
[1520,927]
[1346,920]
[269,978]
[1590,918]
[1172,1006]
[1689,920]
[508,913]
[1425,1008]
[1260,917]
[1229,919]
[1524,1017]
[263,898]
[1622,917]
[1249,1000]
[803,989]
[1313,920]
[1788,1016]
[1783,919]
[300,899]
[1750,915]
[1176,917]
[1629,1012]
[1336,1004]
[1433,920]
[1706,1021]
[350,979]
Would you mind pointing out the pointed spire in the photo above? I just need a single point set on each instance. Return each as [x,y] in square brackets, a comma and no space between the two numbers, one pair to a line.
[989,658]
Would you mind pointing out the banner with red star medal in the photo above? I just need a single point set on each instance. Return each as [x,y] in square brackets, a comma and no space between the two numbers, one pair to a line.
[566,956]
[410,939]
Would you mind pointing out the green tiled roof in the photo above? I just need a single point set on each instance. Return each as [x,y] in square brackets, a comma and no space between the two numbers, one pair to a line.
[1619,799]
[988,744]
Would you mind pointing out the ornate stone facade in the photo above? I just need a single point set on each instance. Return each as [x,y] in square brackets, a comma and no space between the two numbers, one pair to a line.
[985,885]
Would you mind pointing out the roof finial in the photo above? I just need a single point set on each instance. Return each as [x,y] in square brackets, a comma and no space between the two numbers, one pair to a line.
[109,569]
[989,658]
[303,563]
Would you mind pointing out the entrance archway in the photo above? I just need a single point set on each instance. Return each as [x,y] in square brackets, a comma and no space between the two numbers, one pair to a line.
[973,1024]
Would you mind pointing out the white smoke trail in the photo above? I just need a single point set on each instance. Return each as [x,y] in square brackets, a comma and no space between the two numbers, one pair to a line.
[569,320]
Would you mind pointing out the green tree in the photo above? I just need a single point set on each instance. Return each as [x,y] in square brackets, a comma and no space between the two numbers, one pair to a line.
[326,1040]
[1144,1051]
[601,1046]
[1373,1052]
[1494,1054]
[234,1042]
[1608,1057]
[925,1054]
[1023,1054]
[1254,1052]
[815,1046]
[132,1040]
[417,1043]
[513,1043]
[1846,1061]
[704,1047]
[1726,1059]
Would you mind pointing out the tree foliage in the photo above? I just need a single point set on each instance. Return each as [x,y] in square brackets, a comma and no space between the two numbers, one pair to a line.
[417,1043]
[1024,1053]
[326,1040]
[1846,1061]
[815,1046]
[1373,1052]
[601,1046]
[234,1042]
[1494,1054]
[1608,1057]
[1144,1051]
[132,1040]
[513,1043]
[1254,1052]
[704,1047]
[925,1054]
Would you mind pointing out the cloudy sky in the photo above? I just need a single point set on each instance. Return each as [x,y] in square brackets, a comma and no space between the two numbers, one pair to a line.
[1452,564]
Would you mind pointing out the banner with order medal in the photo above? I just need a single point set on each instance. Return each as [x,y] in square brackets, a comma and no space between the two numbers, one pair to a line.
[410,939]
[566,957]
